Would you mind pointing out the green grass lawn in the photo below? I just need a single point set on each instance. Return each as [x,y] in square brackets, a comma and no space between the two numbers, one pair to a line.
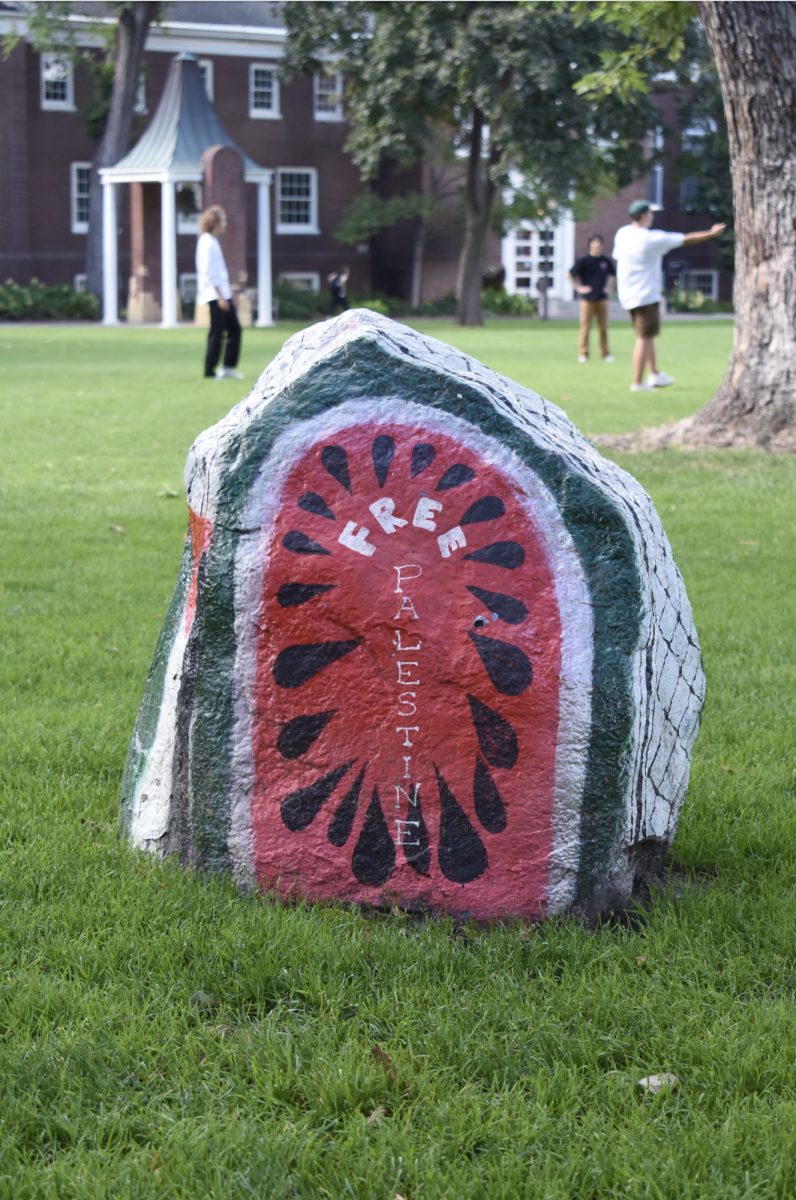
[516,1051]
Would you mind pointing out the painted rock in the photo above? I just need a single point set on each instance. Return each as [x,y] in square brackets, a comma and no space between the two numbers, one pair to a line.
[426,646]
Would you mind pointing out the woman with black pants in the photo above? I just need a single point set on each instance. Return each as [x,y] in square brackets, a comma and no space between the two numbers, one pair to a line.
[212,289]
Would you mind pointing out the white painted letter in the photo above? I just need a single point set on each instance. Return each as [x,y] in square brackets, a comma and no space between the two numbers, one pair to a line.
[408,608]
[450,541]
[411,703]
[398,644]
[404,825]
[425,508]
[356,542]
[407,729]
[382,511]
[409,567]
[400,666]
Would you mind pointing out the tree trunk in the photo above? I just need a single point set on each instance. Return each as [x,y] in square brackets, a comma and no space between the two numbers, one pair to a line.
[481,194]
[417,264]
[755,49]
[134,23]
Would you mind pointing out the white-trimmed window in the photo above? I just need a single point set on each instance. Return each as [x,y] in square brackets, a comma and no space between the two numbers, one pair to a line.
[79,190]
[189,207]
[263,91]
[187,283]
[297,200]
[303,281]
[140,96]
[80,283]
[57,83]
[327,91]
[206,68]
[706,282]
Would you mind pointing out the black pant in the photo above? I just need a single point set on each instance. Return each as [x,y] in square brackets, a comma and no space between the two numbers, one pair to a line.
[338,299]
[222,322]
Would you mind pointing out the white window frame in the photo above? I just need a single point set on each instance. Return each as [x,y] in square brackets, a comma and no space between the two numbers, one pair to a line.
[265,114]
[186,278]
[206,65]
[189,226]
[80,283]
[67,105]
[140,107]
[313,277]
[291,229]
[335,114]
[689,278]
[76,225]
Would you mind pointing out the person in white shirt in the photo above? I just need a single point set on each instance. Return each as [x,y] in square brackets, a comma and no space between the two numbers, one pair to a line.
[638,250]
[212,288]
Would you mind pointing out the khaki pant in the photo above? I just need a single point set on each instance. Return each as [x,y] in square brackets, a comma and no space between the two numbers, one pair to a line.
[588,310]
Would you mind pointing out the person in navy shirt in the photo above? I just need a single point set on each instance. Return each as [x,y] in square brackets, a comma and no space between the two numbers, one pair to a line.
[592,277]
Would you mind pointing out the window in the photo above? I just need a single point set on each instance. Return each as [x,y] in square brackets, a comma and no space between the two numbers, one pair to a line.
[80,283]
[188,288]
[705,282]
[535,260]
[57,83]
[80,182]
[140,96]
[263,91]
[655,177]
[303,281]
[189,206]
[206,69]
[328,97]
[297,200]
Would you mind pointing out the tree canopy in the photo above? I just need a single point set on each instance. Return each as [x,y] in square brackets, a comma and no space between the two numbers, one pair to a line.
[500,77]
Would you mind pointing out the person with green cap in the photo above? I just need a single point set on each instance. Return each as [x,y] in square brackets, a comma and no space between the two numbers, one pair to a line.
[638,250]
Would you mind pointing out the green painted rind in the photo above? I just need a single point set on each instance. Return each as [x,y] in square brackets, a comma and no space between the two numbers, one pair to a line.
[211,728]
[599,531]
[149,710]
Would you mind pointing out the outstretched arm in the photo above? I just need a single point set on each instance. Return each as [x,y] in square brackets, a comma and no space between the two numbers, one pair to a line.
[693,239]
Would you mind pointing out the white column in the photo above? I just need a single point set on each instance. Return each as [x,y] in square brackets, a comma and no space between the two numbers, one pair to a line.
[264,296]
[168,257]
[110,266]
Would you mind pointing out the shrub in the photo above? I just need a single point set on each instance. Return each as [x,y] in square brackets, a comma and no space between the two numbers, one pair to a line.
[695,301]
[498,303]
[297,304]
[37,302]
[376,305]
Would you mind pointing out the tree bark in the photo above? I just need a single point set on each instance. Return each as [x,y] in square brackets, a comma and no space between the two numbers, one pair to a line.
[134,23]
[417,264]
[480,194]
[755,49]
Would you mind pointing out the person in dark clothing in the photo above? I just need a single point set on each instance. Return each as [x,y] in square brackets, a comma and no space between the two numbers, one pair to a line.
[592,276]
[337,288]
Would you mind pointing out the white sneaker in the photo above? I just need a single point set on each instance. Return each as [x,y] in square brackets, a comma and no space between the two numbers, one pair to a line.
[642,387]
[228,373]
[583,358]
[661,379]
[608,358]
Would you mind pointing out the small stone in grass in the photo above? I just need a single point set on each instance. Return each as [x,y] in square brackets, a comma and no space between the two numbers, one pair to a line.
[654,1083]
[201,1002]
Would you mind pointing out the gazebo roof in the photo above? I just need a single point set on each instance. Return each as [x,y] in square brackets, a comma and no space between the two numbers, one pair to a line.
[184,126]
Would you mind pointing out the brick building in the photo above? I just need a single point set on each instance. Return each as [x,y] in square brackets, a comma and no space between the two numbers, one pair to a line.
[296,131]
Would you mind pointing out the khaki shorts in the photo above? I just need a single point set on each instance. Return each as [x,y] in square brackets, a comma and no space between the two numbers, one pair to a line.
[646,320]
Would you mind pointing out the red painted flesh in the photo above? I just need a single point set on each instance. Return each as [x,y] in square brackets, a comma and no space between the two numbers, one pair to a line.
[364,686]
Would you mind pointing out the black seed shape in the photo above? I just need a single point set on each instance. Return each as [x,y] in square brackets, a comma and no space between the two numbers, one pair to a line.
[488,508]
[455,476]
[298,543]
[297,664]
[300,808]
[373,860]
[383,451]
[312,502]
[508,608]
[415,838]
[423,455]
[496,737]
[499,554]
[297,736]
[489,806]
[335,460]
[342,822]
[507,666]
[462,855]
[291,595]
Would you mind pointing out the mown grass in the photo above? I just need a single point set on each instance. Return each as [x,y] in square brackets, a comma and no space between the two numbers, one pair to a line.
[516,1051]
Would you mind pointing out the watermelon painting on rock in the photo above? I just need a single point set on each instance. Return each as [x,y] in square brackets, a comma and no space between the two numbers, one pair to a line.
[427,647]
